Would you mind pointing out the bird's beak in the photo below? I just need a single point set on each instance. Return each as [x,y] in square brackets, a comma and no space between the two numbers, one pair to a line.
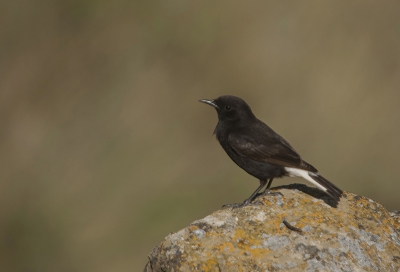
[209,102]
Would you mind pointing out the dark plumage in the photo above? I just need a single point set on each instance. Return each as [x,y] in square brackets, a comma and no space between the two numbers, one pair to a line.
[259,150]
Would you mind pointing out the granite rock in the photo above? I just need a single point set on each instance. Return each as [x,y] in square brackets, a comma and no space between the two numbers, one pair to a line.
[358,235]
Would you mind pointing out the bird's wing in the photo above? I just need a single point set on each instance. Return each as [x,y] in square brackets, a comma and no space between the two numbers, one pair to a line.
[271,149]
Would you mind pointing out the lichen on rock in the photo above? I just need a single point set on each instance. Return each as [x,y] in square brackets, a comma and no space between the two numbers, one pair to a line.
[357,235]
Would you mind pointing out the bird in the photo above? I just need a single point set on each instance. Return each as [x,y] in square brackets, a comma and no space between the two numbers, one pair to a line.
[259,150]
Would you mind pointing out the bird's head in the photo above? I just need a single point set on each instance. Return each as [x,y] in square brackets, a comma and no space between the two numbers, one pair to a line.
[231,109]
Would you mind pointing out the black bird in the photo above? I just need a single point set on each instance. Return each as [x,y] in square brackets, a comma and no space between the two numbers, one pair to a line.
[259,150]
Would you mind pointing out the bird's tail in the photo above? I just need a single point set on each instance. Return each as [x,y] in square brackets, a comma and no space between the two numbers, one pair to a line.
[331,189]
[318,180]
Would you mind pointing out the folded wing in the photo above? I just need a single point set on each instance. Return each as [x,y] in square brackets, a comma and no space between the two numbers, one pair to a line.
[274,150]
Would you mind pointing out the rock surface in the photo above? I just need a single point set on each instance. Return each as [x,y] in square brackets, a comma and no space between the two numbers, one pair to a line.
[358,235]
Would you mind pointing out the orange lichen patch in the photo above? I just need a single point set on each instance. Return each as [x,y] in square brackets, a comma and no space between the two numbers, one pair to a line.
[240,234]
[209,254]
[210,265]
[393,248]
[224,247]
[248,242]
[267,201]
[340,225]
[273,201]
[315,217]
[216,234]
[245,238]
[396,222]
[258,253]
[193,227]
[306,201]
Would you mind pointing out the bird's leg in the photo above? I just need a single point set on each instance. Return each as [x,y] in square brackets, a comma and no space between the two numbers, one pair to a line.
[250,199]
[267,191]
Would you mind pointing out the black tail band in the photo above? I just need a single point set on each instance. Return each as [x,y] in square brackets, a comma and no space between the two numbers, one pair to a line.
[331,189]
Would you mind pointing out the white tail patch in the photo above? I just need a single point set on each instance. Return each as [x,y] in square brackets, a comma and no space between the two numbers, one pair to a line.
[294,172]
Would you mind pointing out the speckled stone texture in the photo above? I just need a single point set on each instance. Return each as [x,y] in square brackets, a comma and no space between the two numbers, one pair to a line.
[358,235]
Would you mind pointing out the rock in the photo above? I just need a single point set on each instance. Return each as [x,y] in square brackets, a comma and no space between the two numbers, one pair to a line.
[358,235]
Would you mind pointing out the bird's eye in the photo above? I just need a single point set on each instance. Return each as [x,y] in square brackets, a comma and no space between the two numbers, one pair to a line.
[228,108]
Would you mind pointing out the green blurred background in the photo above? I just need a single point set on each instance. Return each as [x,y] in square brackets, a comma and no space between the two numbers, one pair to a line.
[105,149]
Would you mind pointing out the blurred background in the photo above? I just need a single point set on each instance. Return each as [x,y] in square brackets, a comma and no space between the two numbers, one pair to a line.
[105,148]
